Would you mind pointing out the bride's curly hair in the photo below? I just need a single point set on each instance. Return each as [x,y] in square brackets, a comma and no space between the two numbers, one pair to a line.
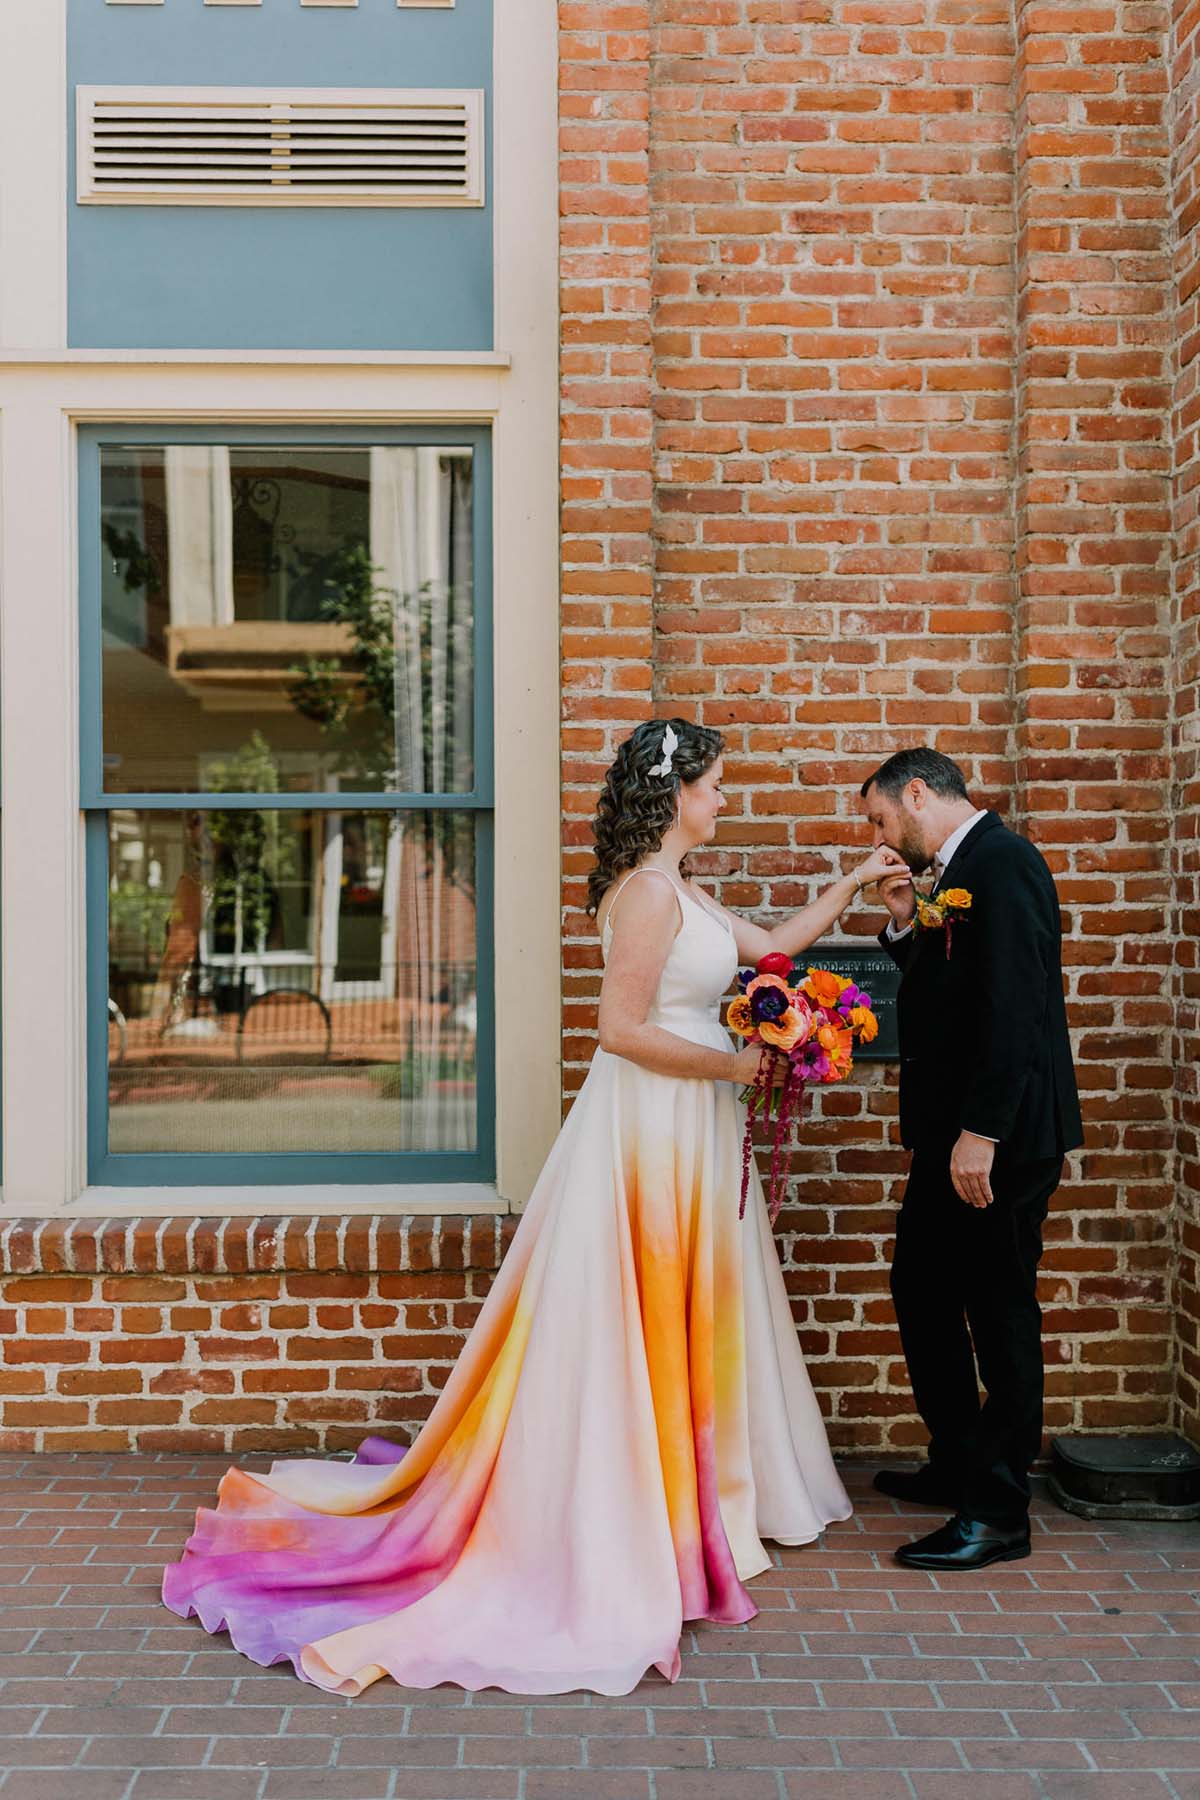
[636,809]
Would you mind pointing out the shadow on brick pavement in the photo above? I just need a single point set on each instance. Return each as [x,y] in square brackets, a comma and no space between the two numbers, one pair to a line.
[1072,1676]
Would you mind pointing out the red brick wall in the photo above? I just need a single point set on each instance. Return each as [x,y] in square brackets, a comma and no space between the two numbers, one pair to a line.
[1185,80]
[893,466]
[240,1334]
[1091,654]
[869,335]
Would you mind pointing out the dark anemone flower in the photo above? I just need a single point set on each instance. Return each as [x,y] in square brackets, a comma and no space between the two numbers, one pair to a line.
[745,977]
[768,1004]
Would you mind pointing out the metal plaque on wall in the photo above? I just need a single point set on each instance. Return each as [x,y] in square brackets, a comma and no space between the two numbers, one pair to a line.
[871,968]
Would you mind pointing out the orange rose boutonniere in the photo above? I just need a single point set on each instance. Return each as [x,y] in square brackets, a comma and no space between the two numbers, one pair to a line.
[950,908]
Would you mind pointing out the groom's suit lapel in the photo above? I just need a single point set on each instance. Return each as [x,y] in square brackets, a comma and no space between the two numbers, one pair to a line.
[954,868]
[992,822]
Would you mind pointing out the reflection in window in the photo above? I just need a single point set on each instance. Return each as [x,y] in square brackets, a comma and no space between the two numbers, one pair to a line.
[290,980]
[322,598]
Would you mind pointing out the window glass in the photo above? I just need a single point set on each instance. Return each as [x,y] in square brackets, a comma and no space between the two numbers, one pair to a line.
[308,608]
[291,980]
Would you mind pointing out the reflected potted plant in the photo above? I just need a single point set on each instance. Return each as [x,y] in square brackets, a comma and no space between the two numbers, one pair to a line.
[358,718]
[138,916]
[253,853]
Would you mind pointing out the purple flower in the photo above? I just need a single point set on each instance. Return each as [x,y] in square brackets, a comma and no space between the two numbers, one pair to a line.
[745,977]
[812,1061]
[768,1004]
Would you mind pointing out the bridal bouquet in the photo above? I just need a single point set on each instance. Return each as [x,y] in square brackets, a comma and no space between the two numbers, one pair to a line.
[807,1020]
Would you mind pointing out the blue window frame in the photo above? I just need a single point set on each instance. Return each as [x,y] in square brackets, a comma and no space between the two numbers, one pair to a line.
[259,1038]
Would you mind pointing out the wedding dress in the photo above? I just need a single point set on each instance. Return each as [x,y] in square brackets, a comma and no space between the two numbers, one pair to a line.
[628,1420]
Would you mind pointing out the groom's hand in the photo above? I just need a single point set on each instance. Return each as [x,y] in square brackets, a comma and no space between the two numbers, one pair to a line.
[971,1169]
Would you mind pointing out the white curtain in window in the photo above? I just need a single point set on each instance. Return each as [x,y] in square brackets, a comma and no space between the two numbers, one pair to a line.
[421,549]
[200,534]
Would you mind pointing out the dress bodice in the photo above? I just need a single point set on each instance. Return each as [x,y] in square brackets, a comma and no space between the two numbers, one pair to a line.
[699,968]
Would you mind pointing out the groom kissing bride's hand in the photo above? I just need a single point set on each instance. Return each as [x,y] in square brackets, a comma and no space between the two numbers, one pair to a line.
[988,1108]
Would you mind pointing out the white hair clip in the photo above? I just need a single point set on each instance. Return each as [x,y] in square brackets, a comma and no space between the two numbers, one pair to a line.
[670,745]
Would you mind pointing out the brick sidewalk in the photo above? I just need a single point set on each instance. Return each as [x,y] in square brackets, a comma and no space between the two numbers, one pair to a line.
[1072,1676]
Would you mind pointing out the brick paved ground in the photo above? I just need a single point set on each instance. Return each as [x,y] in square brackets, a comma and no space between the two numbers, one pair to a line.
[1073,1676]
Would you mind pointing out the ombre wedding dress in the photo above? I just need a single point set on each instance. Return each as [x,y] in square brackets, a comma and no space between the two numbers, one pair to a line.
[628,1420]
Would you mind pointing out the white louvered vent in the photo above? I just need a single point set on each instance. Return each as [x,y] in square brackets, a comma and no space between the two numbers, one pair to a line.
[276,146]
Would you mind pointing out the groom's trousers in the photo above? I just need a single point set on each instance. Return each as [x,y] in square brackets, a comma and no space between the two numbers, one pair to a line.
[964,1276]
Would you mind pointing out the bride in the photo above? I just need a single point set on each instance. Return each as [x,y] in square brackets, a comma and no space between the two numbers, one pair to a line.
[631,1415]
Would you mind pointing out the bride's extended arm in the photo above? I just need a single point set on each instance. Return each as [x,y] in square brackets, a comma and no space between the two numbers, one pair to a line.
[643,933]
[794,934]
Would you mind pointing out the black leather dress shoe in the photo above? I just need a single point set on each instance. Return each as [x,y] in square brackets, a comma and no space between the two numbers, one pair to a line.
[917,1487]
[963,1543]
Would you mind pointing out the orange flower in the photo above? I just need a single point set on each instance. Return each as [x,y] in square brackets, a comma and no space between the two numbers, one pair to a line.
[824,986]
[738,1017]
[865,1023]
[838,1045]
[958,898]
[786,1032]
[931,914]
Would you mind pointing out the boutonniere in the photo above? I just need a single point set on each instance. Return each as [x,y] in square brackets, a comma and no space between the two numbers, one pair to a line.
[950,908]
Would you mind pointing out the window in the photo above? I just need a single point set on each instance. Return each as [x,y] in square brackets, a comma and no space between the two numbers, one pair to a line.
[285,656]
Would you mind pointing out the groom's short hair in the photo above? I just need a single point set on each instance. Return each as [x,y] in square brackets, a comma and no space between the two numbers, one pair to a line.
[938,772]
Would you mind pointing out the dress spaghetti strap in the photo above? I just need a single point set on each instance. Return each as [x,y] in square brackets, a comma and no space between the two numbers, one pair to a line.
[649,869]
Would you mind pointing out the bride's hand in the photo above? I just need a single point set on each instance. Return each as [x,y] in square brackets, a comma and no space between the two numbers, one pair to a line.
[882,862]
[745,1064]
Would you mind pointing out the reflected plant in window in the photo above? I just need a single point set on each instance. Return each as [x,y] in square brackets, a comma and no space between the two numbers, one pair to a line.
[253,853]
[360,702]
[353,699]
[140,915]
[138,569]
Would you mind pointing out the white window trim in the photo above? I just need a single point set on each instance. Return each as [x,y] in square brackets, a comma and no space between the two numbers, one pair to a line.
[425,1199]
[45,391]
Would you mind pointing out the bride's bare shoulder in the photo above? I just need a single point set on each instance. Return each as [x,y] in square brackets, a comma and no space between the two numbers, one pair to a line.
[642,904]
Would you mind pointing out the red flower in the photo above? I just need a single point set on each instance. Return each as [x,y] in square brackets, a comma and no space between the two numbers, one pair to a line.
[774,964]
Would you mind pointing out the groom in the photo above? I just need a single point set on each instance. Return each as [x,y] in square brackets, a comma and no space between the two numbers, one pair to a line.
[988,1108]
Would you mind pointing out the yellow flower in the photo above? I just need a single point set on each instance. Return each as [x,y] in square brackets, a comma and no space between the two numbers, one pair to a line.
[865,1023]
[738,1017]
[931,914]
[957,898]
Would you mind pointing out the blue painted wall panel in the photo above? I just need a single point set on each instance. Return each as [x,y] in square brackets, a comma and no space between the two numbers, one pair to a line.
[200,277]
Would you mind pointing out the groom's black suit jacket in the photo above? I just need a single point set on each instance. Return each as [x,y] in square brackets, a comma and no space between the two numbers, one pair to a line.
[983,1031]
